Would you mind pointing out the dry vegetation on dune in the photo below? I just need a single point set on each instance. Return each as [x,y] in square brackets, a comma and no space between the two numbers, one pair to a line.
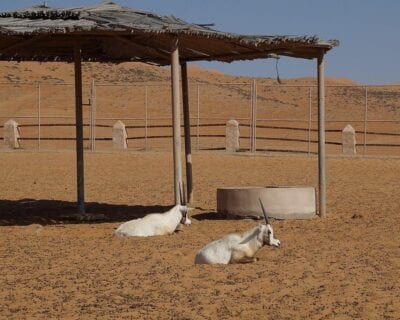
[345,266]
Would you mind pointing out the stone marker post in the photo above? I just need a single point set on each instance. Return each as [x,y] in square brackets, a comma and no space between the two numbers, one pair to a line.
[349,140]
[232,136]
[120,136]
[11,134]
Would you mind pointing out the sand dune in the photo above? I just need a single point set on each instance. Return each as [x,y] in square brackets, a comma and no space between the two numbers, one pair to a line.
[215,98]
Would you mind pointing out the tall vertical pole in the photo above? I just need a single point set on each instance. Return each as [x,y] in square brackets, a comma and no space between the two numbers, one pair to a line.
[79,128]
[198,117]
[365,120]
[39,115]
[321,134]
[251,116]
[309,120]
[255,117]
[176,118]
[92,116]
[146,103]
[186,123]
[90,145]
[94,113]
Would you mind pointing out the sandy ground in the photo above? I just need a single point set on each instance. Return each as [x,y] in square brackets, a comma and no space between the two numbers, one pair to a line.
[345,266]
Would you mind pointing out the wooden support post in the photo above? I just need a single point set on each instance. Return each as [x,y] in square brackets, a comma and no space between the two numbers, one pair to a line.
[79,129]
[321,135]
[186,123]
[176,93]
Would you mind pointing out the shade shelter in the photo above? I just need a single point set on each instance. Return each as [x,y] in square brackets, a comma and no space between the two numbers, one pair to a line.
[111,33]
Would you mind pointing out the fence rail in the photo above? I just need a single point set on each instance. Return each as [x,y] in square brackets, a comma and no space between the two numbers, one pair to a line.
[257,107]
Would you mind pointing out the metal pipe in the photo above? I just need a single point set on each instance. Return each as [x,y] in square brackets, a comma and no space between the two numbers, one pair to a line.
[365,120]
[92,138]
[91,118]
[186,123]
[309,120]
[94,114]
[255,117]
[176,118]
[39,114]
[146,117]
[79,129]
[251,117]
[321,135]
[198,117]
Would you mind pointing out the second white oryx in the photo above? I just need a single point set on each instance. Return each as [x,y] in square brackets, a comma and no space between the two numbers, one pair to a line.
[157,224]
[236,248]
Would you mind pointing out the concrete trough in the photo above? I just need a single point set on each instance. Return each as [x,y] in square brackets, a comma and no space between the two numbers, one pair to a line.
[282,202]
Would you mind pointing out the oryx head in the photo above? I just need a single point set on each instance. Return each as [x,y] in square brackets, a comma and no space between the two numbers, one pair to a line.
[183,206]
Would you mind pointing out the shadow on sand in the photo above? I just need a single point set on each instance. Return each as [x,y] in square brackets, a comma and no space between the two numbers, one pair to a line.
[219,216]
[45,212]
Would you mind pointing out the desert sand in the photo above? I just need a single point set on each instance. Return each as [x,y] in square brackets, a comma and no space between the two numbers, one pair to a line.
[344,266]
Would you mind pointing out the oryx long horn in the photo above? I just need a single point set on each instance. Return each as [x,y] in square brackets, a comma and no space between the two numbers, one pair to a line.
[184,200]
[264,212]
[182,194]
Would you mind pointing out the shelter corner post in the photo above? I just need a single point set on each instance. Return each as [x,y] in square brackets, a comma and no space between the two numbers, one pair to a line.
[176,118]
[79,128]
[186,124]
[321,134]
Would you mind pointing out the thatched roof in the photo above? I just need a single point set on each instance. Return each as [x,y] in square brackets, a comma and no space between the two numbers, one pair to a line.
[109,32]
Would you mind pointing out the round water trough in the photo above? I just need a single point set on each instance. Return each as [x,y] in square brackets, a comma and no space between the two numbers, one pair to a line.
[286,202]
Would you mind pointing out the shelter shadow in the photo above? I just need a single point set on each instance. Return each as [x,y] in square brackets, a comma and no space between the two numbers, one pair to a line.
[46,212]
[218,216]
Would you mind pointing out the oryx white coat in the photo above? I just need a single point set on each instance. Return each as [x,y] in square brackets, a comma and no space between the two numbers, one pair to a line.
[155,224]
[236,248]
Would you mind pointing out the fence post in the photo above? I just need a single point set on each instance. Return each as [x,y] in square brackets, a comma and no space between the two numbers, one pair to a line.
[11,134]
[198,117]
[365,120]
[232,136]
[92,116]
[251,116]
[255,118]
[309,120]
[119,136]
[349,140]
[253,126]
[146,117]
[94,113]
[90,144]
[39,114]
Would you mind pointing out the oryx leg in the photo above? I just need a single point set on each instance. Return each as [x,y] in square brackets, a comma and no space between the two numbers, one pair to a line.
[242,254]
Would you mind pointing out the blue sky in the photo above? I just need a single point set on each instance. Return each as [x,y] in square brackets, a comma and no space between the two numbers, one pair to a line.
[368,31]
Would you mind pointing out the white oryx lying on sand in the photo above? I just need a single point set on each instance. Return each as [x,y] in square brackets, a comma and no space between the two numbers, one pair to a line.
[236,248]
[156,224]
